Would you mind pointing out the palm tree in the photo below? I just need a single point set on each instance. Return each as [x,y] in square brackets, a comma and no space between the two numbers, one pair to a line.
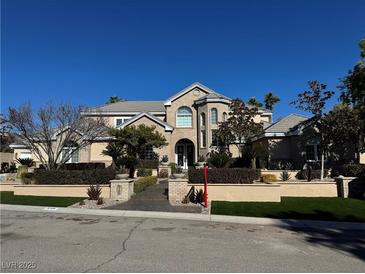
[254,102]
[115,151]
[115,99]
[270,100]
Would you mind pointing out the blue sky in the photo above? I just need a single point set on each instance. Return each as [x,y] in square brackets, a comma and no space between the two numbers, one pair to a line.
[84,51]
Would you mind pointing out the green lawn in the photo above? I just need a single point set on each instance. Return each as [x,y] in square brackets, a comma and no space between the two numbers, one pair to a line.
[330,209]
[8,197]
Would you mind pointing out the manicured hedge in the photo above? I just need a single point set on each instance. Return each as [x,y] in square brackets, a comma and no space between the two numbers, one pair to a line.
[73,177]
[349,170]
[143,183]
[144,172]
[315,174]
[267,178]
[82,166]
[225,175]
[151,164]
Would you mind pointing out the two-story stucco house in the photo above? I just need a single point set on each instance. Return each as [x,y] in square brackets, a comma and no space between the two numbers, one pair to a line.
[188,120]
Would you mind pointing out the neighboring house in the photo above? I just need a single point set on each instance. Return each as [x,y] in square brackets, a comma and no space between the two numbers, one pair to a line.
[188,120]
[290,141]
[6,157]
[21,151]
[6,152]
[281,142]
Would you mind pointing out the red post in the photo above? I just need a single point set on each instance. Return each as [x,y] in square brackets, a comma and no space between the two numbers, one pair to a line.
[205,186]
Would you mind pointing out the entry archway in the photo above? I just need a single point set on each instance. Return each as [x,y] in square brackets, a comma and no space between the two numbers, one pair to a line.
[184,153]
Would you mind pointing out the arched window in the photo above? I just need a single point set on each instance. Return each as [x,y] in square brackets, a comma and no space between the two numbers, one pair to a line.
[184,117]
[213,116]
[224,116]
[202,119]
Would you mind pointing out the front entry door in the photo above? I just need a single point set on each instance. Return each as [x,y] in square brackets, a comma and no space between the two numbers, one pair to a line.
[190,155]
[185,155]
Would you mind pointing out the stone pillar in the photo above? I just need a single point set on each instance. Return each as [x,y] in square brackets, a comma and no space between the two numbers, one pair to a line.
[121,190]
[178,189]
[343,185]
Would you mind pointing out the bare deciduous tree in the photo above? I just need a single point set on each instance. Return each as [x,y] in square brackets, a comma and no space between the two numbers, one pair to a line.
[50,129]
[5,137]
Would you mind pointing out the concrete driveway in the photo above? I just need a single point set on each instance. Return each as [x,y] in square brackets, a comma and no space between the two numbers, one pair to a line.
[48,242]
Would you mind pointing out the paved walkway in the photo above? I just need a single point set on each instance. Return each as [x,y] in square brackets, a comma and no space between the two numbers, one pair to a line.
[154,198]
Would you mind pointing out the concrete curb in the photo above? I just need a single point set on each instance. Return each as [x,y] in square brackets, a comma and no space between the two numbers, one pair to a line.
[189,216]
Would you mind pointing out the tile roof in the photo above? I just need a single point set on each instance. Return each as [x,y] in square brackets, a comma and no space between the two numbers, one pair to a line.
[285,124]
[214,95]
[131,106]
[266,124]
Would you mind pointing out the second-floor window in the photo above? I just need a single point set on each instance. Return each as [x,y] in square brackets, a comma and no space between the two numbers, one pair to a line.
[184,117]
[202,119]
[213,116]
[120,121]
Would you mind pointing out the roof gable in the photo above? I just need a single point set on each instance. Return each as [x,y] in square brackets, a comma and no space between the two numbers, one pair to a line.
[152,117]
[285,124]
[303,125]
[190,88]
[213,97]
[282,128]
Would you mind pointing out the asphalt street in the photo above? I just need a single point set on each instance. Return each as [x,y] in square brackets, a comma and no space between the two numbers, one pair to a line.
[49,242]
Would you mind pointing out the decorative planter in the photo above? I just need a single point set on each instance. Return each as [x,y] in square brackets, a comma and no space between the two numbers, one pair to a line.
[122,176]
[200,163]
[165,164]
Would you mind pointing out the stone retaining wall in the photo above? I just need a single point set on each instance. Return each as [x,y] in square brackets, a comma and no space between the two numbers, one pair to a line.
[257,192]
[308,189]
[179,188]
[7,187]
[121,190]
[242,192]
